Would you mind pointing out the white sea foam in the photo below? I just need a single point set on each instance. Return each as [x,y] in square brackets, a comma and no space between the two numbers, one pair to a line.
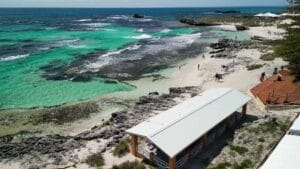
[77,46]
[84,20]
[140,30]
[116,17]
[105,59]
[145,20]
[14,57]
[166,30]
[143,36]
[95,25]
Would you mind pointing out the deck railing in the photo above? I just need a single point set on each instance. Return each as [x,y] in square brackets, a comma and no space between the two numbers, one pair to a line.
[180,163]
[161,164]
[143,152]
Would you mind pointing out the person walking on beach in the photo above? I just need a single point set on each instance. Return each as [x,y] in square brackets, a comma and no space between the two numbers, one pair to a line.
[203,56]
[198,66]
[262,77]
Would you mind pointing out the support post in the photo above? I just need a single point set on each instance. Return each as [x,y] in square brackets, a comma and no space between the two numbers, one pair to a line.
[172,163]
[134,144]
[189,153]
[244,111]
[227,122]
[205,141]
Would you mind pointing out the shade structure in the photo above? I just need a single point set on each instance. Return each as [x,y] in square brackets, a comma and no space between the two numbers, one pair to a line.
[175,129]
[295,128]
[286,155]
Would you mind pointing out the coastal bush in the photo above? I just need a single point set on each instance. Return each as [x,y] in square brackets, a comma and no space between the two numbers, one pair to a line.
[254,66]
[289,49]
[130,165]
[122,148]
[223,165]
[95,160]
[268,57]
[244,164]
[238,149]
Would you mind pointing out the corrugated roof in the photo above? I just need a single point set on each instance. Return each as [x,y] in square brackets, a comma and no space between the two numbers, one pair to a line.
[296,126]
[286,155]
[175,129]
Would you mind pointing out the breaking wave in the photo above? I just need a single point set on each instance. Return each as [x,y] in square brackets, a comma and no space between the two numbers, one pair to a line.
[9,58]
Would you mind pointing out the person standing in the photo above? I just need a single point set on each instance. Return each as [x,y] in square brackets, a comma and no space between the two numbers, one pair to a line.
[198,66]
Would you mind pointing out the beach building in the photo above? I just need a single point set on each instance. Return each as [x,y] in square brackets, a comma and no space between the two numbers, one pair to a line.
[279,89]
[286,154]
[171,138]
[295,128]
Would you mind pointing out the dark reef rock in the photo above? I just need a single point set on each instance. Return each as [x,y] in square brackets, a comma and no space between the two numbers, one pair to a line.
[258,38]
[196,23]
[228,12]
[241,27]
[138,16]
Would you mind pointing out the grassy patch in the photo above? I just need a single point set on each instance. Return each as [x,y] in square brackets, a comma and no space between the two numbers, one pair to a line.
[254,66]
[95,160]
[130,165]
[122,148]
[238,149]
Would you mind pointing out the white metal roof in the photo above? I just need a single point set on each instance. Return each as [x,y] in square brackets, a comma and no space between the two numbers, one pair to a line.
[286,154]
[296,126]
[175,129]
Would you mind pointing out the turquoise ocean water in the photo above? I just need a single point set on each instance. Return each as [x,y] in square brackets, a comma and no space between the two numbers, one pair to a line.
[35,44]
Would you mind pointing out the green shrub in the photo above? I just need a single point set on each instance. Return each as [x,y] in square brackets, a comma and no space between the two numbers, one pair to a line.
[268,57]
[223,165]
[254,66]
[130,165]
[95,160]
[122,148]
[238,149]
[261,140]
[245,164]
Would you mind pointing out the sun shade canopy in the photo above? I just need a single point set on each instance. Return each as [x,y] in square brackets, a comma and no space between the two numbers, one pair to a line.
[177,128]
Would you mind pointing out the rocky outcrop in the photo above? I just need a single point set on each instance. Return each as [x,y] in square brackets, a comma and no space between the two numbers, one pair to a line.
[241,27]
[196,22]
[58,148]
[258,38]
[138,16]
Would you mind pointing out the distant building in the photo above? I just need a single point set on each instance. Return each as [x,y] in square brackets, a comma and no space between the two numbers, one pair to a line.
[171,138]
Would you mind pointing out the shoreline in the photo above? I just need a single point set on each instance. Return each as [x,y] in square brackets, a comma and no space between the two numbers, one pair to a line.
[91,136]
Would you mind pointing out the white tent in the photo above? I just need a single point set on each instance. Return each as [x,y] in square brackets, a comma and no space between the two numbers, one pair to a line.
[177,128]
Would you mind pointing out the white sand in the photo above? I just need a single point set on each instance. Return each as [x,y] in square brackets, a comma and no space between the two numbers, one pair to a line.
[268,32]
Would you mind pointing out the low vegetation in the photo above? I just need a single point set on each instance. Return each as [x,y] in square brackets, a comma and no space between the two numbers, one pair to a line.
[122,148]
[254,66]
[289,48]
[238,149]
[245,20]
[95,160]
[130,165]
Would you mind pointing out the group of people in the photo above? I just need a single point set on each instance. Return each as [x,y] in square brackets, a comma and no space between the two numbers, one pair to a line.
[275,72]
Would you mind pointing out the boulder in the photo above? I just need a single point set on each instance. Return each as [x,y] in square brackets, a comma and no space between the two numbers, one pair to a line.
[138,16]
[241,27]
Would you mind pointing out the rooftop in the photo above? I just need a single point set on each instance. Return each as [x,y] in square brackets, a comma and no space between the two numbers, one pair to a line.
[272,91]
[177,128]
[286,155]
